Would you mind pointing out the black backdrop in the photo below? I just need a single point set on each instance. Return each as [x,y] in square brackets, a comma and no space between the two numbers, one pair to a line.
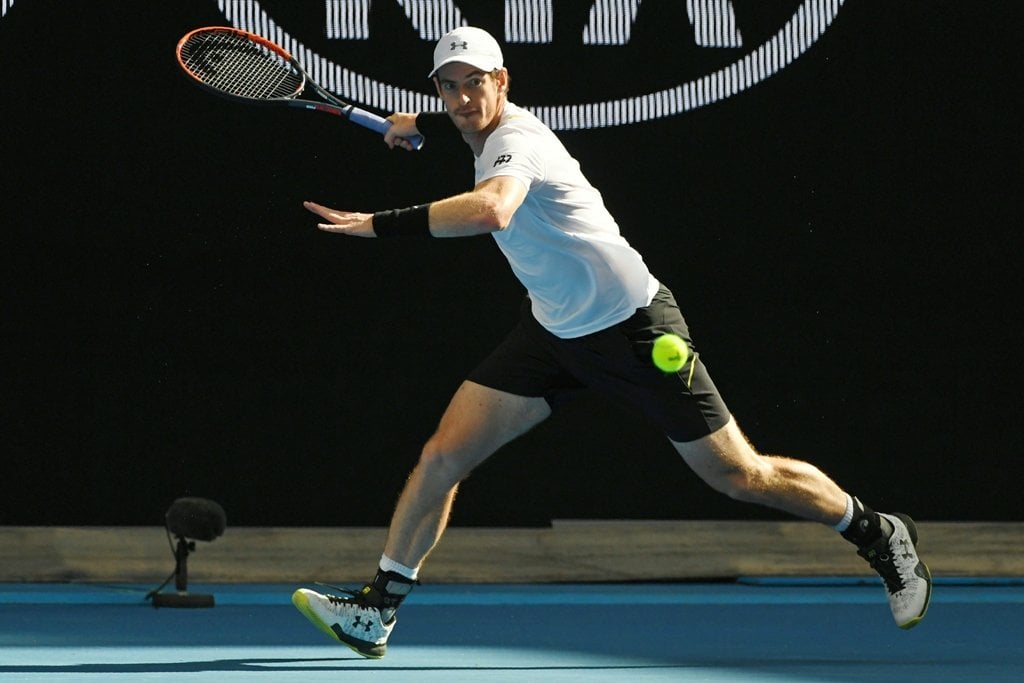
[841,238]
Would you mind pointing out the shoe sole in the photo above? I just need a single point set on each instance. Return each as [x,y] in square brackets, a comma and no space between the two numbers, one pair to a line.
[368,650]
[927,600]
[912,530]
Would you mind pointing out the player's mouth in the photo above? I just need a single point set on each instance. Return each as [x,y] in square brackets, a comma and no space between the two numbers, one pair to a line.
[468,118]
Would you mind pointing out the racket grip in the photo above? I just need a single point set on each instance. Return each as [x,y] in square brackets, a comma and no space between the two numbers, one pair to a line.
[381,125]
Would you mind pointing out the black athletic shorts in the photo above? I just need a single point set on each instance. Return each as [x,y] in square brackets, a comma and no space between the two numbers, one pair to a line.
[615,362]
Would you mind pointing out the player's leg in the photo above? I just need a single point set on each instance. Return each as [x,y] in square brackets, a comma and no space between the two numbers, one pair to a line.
[478,421]
[727,462]
[690,410]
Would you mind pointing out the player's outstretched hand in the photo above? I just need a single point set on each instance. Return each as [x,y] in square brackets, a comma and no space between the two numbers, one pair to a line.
[344,222]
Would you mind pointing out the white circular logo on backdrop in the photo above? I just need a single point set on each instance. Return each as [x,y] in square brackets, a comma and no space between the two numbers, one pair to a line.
[609,23]
[607,26]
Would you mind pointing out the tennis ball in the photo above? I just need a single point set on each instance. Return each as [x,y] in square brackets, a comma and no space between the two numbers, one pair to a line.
[670,353]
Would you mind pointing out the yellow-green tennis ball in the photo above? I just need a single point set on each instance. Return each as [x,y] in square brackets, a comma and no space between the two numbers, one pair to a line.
[670,353]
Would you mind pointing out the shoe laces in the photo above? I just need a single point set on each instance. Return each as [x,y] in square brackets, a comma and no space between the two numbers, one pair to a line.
[882,559]
[357,598]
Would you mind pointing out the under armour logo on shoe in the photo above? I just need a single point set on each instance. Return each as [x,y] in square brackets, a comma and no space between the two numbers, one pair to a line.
[464,45]
[359,622]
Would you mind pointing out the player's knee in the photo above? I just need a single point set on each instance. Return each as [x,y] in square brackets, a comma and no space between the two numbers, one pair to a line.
[442,464]
[745,484]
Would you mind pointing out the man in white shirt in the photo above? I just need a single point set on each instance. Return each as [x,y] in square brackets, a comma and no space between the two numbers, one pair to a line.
[591,316]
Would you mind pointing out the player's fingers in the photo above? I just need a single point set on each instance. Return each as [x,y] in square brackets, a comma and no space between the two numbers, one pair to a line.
[314,207]
[335,227]
[324,212]
[356,230]
[394,140]
[391,138]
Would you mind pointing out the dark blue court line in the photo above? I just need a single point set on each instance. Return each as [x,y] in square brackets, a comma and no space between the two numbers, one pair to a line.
[1000,581]
[269,666]
[759,591]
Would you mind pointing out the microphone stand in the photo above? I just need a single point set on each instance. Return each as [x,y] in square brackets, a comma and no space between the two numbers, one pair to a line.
[182,598]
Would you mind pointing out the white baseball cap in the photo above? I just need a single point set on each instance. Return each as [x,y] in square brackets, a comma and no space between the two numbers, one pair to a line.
[469,45]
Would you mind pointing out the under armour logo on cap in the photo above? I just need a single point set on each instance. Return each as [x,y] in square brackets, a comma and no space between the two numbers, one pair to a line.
[468,45]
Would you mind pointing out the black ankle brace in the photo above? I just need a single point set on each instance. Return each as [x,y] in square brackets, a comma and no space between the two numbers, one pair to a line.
[865,527]
[392,587]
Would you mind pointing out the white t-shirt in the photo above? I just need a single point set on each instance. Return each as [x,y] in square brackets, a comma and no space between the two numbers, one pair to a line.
[563,245]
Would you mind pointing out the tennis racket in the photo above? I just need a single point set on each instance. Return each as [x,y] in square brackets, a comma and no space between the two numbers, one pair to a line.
[246,67]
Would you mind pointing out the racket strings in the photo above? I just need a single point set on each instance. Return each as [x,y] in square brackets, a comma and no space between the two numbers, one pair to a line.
[241,67]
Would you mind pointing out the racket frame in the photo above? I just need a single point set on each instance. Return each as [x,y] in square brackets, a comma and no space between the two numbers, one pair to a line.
[332,104]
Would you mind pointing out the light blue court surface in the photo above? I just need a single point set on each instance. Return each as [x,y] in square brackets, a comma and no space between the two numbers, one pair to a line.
[764,630]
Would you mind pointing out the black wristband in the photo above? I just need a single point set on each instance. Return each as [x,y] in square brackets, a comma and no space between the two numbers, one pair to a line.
[436,124]
[413,221]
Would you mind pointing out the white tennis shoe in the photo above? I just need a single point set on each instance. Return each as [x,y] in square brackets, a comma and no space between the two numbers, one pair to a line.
[355,621]
[907,580]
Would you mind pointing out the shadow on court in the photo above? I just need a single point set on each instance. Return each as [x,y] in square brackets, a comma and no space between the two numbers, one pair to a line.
[530,633]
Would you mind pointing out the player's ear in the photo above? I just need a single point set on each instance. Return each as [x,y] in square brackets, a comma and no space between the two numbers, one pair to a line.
[502,78]
[437,85]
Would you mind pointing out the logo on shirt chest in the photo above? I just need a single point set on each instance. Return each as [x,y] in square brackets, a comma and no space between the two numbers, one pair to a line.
[502,159]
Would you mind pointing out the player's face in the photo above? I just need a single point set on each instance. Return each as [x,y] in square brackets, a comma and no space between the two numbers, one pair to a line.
[473,98]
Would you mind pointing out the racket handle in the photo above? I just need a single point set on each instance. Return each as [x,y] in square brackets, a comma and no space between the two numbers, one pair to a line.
[381,125]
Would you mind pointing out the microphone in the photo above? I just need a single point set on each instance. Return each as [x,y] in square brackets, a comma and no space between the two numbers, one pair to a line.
[197,518]
[188,518]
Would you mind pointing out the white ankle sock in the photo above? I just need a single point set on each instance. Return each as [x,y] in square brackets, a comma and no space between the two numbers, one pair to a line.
[844,523]
[389,565]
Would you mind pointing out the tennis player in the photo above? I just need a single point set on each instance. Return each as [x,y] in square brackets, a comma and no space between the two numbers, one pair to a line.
[592,312]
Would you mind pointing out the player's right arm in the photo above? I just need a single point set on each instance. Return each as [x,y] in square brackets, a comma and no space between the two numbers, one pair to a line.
[403,127]
[435,125]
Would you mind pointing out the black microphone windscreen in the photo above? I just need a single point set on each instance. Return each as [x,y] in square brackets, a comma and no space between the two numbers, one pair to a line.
[196,518]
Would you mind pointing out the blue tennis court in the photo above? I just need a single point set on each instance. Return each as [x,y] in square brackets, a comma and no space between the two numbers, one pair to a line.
[749,630]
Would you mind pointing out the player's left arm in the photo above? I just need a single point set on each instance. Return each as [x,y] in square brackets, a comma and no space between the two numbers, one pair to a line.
[488,207]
